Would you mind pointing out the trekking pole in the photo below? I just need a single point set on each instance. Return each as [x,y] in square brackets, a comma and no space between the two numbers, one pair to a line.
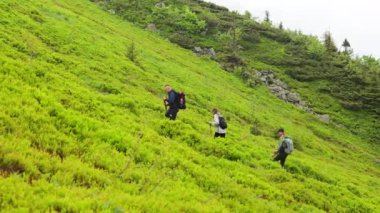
[166,106]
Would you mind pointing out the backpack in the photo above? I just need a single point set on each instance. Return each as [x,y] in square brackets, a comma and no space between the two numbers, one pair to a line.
[288,145]
[222,123]
[181,100]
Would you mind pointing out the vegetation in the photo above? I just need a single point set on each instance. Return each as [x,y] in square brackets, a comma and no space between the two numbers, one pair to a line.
[82,126]
[313,68]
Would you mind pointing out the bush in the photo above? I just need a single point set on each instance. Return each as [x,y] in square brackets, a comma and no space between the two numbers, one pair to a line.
[180,19]
[182,40]
[250,32]
[250,77]
[132,52]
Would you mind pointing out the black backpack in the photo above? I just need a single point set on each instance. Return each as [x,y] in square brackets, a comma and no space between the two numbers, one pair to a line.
[222,123]
[180,100]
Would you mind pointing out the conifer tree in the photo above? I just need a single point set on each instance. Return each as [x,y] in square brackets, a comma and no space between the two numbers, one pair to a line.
[329,42]
[267,16]
[281,26]
[346,45]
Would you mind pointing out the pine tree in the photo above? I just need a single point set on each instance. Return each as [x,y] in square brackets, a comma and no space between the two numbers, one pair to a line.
[132,52]
[346,45]
[329,42]
[267,16]
[281,26]
[248,15]
[235,34]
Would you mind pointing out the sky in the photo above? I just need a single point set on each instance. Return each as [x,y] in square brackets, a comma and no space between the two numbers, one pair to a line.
[358,21]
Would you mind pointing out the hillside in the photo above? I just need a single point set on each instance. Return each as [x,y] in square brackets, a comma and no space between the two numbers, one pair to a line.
[82,127]
[328,76]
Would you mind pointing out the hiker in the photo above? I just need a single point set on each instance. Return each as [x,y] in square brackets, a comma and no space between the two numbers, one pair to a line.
[219,123]
[285,148]
[172,102]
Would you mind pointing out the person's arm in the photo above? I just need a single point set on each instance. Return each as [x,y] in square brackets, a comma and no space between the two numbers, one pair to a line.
[279,146]
[166,103]
[216,120]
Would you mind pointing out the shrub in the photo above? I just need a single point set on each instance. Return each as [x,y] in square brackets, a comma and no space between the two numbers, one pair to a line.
[181,19]
[182,39]
[132,52]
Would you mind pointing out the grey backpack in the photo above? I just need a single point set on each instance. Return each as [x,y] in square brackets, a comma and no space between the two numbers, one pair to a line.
[288,145]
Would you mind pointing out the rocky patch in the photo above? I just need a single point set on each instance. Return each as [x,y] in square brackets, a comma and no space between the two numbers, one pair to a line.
[205,52]
[282,91]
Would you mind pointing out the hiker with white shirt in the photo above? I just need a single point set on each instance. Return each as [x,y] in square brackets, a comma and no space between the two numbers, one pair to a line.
[285,147]
[219,123]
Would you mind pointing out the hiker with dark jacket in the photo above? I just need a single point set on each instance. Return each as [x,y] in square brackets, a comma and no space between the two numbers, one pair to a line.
[285,147]
[171,102]
[219,123]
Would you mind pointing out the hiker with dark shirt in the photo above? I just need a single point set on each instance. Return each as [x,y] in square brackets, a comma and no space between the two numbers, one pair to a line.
[285,147]
[219,123]
[171,102]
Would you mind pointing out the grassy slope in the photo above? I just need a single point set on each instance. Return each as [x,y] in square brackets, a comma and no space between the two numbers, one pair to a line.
[82,127]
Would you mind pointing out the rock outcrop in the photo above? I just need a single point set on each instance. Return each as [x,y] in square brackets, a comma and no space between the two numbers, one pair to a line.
[324,117]
[205,52]
[151,27]
[282,91]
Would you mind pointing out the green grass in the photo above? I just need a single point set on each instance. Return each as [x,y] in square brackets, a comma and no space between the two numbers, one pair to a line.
[82,127]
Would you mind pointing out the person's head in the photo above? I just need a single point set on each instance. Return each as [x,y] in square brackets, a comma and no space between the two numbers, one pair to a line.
[281,132]
[168,88]
[215,111]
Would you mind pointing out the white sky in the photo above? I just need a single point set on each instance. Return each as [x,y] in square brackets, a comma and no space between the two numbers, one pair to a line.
[358,21]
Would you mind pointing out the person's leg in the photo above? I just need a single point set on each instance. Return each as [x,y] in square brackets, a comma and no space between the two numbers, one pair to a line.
[171,113]
[216,135]
[167,114]
[174,114]
[283,159]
